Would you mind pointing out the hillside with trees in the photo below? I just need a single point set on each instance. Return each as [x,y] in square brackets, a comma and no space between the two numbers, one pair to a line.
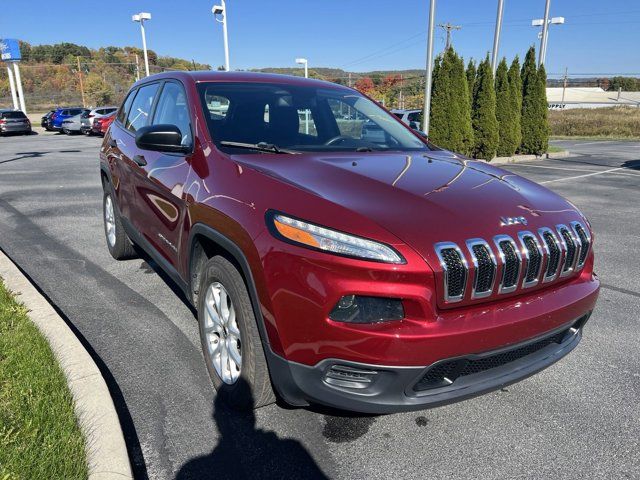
[51,77]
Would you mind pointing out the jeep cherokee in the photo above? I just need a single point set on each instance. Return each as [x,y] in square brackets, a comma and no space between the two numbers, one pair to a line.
[333,255]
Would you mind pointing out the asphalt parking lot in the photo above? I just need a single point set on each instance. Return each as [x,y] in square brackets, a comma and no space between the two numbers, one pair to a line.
[578,419]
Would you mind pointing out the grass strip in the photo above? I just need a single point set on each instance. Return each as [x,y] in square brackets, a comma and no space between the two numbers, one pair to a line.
[39,435]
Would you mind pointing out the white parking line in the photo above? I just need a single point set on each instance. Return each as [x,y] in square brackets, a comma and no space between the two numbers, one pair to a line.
[586,175]
[577,169]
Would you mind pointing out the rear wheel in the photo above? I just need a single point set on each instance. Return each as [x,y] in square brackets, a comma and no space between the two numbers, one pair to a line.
[118,243]
[230,339]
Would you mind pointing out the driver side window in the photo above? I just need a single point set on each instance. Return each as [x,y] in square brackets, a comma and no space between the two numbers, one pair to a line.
[173,109]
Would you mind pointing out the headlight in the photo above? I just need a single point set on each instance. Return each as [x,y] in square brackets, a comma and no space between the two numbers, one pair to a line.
[320,238]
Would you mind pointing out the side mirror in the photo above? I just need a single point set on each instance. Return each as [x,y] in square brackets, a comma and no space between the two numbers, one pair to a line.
[421,133]
[161,138]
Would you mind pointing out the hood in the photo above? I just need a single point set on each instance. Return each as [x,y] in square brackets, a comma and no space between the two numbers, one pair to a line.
[421,198]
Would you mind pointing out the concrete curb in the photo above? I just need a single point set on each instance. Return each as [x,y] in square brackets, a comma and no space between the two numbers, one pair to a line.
[528,158]
[106,449]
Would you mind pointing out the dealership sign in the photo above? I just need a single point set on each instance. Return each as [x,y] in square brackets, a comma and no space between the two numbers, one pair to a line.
[9,50]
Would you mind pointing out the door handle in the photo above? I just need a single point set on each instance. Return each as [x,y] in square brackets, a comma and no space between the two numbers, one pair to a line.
[112,142]
[139,159]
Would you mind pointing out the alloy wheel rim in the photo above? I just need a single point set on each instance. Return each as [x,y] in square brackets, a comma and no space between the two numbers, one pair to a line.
[109,221]
[222,335]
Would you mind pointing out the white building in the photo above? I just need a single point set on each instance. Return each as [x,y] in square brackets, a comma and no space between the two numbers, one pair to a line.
[589,97]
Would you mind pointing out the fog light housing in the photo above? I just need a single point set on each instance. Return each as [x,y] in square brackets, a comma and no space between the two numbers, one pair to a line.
[362,309]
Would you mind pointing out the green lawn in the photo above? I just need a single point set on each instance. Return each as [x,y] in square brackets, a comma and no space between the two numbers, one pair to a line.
[39,435]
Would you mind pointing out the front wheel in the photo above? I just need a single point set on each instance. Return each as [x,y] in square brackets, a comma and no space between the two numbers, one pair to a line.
[230,339]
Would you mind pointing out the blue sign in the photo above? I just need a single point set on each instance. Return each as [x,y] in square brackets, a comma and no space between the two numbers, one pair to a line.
[9,50]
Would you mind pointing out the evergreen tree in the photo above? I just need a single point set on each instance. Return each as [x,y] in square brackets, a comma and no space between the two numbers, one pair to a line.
[463,97]
[544,108]
[535,128]
[515,95]
[450,119]
[485,125]
[471,77]
[504,112]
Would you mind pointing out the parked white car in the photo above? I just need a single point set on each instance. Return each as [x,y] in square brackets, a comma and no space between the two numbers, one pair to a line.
[413,118]
[100,112]
[73,124]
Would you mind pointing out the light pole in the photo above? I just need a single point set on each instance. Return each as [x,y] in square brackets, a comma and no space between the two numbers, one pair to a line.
[544,34]
[305,62]
[141,17]
[221,10]
[496,37]
[429,74]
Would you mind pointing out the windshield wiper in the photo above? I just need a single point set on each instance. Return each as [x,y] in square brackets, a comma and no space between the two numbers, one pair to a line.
[261,146]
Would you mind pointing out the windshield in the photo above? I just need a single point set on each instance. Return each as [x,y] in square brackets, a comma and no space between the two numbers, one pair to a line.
[302,118]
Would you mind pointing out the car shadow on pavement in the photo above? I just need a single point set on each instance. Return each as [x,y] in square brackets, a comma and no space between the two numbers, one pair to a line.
[245,451]
[632,164]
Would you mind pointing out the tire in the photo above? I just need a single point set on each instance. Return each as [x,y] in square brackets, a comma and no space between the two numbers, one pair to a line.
[252,386]
[118,243]
[66,131]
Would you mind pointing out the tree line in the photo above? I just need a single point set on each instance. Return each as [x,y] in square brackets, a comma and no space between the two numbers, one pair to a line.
[478,115]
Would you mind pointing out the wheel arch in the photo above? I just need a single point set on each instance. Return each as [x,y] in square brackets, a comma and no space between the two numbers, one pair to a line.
[206,242]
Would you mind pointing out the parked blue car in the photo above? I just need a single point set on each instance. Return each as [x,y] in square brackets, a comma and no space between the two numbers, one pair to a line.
[61,114]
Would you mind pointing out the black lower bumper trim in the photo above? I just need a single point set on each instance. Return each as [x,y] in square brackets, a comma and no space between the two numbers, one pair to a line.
[379,389]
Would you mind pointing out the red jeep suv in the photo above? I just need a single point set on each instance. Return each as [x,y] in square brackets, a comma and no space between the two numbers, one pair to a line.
[333,255]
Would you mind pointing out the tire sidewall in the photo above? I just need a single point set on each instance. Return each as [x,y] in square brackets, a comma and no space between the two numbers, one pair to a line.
[237,395]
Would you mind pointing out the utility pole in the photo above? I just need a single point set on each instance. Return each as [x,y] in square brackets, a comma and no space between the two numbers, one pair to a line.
[137,68]
[545,31]
[447,27]
[84,104]
[496,37]
[349,79]
[429,73]
[564,86]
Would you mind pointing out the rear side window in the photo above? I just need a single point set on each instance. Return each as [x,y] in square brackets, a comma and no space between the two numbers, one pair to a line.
[138,115]
[172,109]
[76,111]
[122,114]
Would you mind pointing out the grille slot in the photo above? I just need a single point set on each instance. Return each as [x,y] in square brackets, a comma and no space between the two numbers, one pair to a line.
[533,253]
[585,240]
[571,249]
[553,256]
[510,257]
[455,270]
[485,266]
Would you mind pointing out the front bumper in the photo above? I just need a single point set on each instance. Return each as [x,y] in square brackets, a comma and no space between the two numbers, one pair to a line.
[379,389]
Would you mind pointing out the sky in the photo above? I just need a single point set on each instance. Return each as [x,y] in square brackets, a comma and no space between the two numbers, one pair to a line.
[356,35]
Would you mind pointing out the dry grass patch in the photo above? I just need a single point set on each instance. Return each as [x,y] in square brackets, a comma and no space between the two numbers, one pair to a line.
[610,122]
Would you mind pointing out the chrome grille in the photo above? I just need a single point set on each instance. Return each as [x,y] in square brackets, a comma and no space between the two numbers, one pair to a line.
[484,264]
[510,260]
[585,240]
[553,253]
[538,257]
[455,270]
[570,248]
[533,255]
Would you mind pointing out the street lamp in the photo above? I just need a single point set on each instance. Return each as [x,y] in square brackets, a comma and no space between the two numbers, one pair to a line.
[221,10]
[305,62]
[544,35]
[141,17]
